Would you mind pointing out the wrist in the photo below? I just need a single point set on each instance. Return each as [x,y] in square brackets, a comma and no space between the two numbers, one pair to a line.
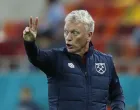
[29,38]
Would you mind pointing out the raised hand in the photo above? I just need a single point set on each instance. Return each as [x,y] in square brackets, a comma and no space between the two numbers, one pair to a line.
[30,33]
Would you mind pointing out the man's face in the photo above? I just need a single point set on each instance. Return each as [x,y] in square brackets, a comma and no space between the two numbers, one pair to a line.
[76,36]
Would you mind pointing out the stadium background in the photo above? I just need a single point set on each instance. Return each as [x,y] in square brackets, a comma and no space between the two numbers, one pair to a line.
[117,31]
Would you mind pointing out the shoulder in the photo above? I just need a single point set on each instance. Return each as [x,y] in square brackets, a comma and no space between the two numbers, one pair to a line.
[55,51]
[104,56]
[101,54]
[58,50]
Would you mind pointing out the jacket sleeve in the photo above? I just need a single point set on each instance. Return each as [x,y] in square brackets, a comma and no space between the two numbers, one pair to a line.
[116,96]
[44,60]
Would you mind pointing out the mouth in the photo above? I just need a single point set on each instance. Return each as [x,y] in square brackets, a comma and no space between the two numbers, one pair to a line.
[69,46]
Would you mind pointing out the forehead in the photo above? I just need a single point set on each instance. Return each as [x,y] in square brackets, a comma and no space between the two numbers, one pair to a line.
[69,25]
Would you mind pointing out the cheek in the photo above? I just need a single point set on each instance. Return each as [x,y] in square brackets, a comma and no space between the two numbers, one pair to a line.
[80,41]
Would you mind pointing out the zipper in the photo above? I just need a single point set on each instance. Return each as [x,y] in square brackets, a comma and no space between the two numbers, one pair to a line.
[80,68]
[86,83]
[86,75]
[86,80]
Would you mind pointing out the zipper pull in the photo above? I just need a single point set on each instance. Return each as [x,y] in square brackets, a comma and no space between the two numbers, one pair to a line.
[86,74]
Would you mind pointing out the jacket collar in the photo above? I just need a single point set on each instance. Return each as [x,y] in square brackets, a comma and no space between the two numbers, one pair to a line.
[78,57]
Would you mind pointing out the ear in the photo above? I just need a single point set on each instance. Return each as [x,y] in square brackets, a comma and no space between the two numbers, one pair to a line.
[89,36]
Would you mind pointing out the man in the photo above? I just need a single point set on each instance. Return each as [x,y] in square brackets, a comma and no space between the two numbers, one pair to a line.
[79,77]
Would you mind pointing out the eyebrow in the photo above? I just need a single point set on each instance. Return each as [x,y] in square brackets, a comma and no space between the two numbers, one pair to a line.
[72,30]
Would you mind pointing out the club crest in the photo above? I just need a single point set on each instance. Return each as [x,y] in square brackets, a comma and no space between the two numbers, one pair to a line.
[71,65]
[100,68]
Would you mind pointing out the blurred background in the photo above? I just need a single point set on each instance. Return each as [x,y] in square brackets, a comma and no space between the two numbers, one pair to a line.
[117,32]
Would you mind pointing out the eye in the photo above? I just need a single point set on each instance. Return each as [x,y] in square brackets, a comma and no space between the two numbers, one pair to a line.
[75,33]
[65,32]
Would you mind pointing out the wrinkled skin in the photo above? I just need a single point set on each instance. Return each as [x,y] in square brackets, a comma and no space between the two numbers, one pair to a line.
[77,38]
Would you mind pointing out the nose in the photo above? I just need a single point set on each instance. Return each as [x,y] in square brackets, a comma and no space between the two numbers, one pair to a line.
[69,37]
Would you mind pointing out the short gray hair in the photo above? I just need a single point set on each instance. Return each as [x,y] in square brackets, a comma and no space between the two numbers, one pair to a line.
[81,16]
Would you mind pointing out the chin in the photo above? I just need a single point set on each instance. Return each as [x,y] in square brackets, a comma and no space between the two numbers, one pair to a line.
[71,50]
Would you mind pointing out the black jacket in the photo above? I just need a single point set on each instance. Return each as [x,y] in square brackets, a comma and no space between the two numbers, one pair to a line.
[73,85]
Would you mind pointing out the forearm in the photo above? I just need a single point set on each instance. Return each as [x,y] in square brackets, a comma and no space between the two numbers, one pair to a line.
[116,95]
[117,102]
[31,49]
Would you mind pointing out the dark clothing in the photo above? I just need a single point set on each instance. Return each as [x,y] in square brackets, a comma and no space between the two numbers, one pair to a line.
[74,85]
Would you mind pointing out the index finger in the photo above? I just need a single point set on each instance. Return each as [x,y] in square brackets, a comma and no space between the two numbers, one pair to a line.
[31,22]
